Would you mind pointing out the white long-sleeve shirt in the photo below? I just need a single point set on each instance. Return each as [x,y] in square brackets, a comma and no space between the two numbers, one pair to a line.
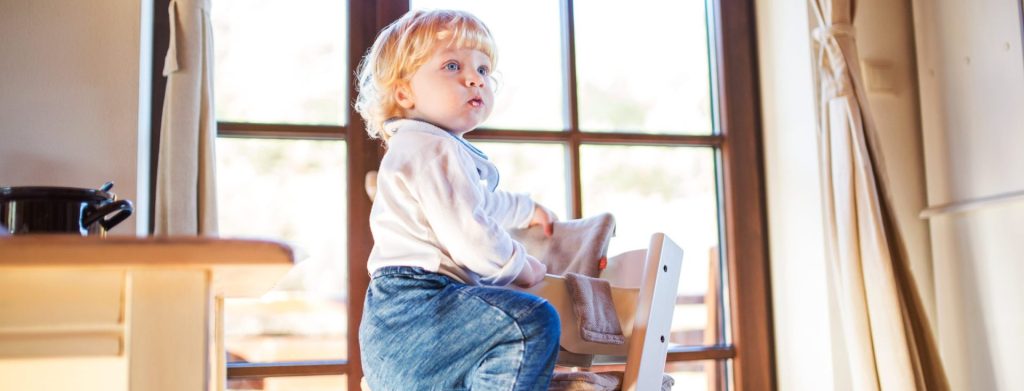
[437,207]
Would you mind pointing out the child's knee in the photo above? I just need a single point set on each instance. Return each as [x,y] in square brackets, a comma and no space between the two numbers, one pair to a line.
[549,323]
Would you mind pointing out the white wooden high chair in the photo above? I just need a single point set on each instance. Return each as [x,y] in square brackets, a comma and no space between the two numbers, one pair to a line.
[644,285]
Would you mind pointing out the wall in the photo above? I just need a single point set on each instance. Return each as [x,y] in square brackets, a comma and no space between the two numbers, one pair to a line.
[800,307]
[71,97]
[73,102]
[810,350]
[972,94]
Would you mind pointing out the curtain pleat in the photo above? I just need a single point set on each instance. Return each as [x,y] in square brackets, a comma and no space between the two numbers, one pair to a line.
[186,196]
[889,344]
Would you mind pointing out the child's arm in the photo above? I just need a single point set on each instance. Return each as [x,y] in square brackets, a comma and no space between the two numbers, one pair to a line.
[532,274]
[511,210]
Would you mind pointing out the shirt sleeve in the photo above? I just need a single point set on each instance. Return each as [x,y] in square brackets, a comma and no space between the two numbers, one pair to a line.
[511,210]
[461,213]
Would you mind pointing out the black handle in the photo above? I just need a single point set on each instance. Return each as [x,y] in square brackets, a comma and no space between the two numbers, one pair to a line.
[123,208]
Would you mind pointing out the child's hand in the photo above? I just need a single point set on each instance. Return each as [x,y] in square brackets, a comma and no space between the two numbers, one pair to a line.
[544,217]
[532,274]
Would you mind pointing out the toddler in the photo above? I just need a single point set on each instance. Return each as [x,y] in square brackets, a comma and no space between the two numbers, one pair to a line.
[433,318]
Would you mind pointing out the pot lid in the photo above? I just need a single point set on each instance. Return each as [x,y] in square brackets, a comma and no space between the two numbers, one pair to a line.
[51,192]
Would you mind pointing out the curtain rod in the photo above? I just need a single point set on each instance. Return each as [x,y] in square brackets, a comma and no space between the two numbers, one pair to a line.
[963,206]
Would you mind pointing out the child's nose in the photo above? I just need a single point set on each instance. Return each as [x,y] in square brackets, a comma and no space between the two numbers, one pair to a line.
[474,80]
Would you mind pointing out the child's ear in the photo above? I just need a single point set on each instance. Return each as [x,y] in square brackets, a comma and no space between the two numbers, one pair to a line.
[403,95]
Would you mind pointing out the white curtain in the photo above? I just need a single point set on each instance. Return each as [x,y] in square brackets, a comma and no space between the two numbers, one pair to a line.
[887,336]
[186,197]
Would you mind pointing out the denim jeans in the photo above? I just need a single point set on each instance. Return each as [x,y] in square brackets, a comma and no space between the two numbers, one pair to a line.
[426,331]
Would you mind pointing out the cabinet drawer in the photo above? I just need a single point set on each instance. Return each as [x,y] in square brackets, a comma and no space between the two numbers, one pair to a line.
[60,312]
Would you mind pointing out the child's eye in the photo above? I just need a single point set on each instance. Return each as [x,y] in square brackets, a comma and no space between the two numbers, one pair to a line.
[484,71]
[451,66]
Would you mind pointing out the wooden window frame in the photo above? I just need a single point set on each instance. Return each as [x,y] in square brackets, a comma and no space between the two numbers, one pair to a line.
[738,142]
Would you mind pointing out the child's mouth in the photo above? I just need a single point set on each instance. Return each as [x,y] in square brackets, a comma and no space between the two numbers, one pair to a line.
[476,102]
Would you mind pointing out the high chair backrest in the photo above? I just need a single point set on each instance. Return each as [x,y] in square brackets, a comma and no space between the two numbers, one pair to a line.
[648,344]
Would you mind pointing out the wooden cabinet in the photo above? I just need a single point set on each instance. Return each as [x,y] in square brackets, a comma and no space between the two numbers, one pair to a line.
[123,313]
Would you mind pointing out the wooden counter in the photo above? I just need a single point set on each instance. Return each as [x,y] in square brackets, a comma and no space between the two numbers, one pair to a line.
[143,313]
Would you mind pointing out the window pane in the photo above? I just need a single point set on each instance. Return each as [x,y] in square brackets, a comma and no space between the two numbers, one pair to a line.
[279,61]
[528,34]
[642,67]
[697,375]
[293,191]
[297,383]
[537,169]
[660,189]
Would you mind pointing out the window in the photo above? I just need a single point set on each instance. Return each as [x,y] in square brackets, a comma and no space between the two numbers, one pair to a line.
[290,189]
[625,108]
[638,132]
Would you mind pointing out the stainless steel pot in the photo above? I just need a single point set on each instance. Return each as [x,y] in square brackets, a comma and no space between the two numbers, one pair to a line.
[69,210]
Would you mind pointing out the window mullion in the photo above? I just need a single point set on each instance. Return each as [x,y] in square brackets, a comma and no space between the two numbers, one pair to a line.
[572,109]
[573,168]
[619,138]
[366,18]
[569,61]
[287,131]
[238,371]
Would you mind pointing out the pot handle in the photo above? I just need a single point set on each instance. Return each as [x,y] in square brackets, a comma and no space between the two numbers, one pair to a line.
[123,208]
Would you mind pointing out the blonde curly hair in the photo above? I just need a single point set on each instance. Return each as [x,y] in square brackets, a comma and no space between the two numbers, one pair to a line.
[404,46]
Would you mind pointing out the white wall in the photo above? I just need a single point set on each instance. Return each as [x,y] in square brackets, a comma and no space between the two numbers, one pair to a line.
[70,97]
[972,94]
[800,297]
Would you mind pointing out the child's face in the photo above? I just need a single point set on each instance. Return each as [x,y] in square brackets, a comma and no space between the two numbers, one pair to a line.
[453,90]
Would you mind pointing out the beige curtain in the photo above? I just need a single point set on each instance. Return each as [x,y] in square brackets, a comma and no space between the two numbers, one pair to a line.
[887,336]
[186,197]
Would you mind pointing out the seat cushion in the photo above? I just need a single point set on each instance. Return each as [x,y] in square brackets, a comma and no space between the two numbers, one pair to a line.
[576,246]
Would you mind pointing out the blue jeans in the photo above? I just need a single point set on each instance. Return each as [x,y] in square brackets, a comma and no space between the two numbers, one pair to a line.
[426,331]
